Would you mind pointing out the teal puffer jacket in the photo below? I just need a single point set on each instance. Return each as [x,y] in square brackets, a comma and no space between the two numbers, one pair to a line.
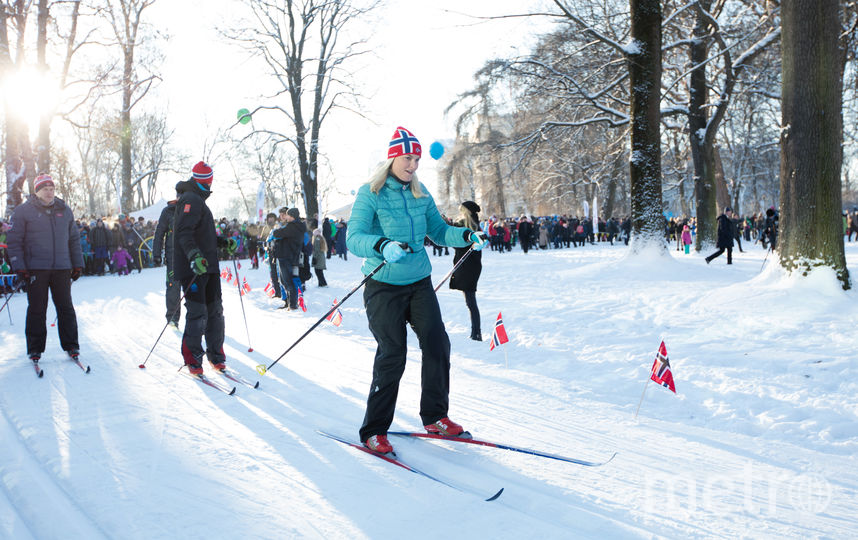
[393,213]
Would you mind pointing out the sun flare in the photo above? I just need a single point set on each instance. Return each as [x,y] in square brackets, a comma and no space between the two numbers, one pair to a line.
[28,94]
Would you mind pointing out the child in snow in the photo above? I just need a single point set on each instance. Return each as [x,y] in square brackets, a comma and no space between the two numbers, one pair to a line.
[686,239]
[120,260]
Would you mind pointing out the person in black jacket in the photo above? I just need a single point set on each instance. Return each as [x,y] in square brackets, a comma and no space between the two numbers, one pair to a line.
[289,241]
[466,276]
[725,237]
[44,250]
[100,238]
[195,266]
[163,243]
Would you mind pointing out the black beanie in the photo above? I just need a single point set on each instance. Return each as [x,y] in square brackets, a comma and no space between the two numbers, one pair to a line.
[472,206]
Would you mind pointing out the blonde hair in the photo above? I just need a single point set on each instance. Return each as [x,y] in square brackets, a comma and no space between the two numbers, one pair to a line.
[468,218]
[322,244]
[380,174]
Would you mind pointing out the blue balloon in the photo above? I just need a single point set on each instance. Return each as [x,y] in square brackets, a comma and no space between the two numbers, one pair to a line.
[436,150]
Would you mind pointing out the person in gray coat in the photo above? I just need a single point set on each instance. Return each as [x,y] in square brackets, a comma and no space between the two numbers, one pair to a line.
[44,250]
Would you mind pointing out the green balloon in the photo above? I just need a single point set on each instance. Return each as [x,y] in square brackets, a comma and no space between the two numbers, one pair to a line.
[243,116]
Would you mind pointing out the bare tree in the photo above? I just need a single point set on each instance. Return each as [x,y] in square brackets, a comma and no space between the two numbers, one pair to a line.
[811,232]
[299,41]
[20,162]
[124,18]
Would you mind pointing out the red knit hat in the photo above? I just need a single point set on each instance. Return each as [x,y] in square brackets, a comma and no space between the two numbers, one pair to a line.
[203,174]
[403,142]
[41,181]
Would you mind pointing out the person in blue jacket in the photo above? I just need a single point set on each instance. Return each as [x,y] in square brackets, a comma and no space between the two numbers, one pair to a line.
[391,216]
[44,250]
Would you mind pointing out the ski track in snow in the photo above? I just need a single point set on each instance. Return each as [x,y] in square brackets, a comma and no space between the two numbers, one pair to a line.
[759,441]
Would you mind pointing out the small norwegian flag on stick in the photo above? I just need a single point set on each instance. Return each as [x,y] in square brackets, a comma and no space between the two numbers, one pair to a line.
[269,290]
[336,317]
[661,369]
[660,373]
[499,337]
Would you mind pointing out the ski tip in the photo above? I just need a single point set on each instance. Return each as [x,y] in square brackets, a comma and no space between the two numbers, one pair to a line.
[495,496]
[87,369]
[256,385]
[231,392]
[41,373]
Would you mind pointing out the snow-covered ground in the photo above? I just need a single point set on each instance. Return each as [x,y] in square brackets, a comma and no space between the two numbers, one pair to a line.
[760,440]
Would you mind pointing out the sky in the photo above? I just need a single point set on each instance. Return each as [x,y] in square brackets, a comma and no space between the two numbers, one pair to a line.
[423,55]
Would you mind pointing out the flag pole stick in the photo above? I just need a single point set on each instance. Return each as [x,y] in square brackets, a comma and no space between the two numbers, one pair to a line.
[505,358]
[641,401]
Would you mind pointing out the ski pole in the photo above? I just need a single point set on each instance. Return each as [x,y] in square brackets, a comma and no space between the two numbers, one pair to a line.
[765,258]
[450,273]
[261,367]
[9,297]
[175,311]
[241,299]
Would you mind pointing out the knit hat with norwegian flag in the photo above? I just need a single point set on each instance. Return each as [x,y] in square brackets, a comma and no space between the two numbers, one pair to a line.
[203,175]
[403,142]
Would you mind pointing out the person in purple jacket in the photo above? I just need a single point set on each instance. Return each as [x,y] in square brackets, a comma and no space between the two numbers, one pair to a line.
[44,250]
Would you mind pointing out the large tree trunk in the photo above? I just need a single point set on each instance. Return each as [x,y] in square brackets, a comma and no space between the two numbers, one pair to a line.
[645,161]
[127,199]
[811,230]
[701,155]
[43,143]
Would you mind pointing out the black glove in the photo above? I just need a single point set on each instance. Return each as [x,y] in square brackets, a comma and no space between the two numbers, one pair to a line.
[76,272]
[23,276]
[157,261]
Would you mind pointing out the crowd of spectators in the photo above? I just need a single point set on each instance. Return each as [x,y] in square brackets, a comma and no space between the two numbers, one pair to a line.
[124,244]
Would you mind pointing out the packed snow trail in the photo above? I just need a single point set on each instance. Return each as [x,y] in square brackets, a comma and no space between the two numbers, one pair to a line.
[761,436]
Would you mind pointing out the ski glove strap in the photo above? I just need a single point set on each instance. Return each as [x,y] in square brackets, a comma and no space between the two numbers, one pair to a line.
[392,252]
[479,240]
[199,264]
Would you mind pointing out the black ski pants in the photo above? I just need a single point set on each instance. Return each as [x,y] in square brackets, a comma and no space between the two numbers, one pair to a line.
[719,252]
[474,310]
[59,283]
[204,317]
[174,294]
[389,309]
[272,273]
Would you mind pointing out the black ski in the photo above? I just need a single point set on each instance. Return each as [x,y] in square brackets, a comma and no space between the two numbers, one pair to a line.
[39,371]
[75,357]
[394,460]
